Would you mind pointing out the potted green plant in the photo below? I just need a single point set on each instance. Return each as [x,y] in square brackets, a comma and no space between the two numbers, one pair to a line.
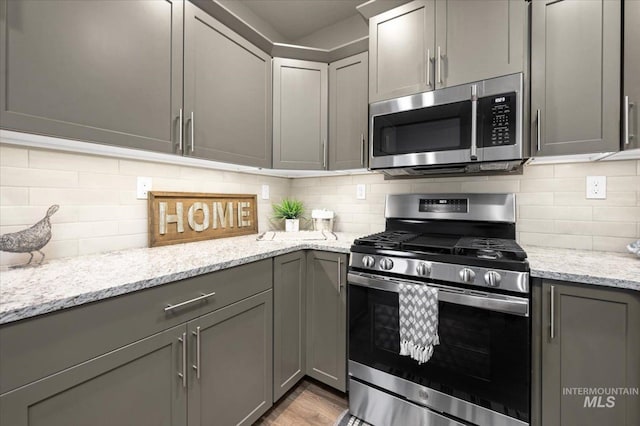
[291,211]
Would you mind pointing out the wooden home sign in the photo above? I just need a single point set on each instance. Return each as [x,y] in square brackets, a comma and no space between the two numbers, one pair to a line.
[182,217]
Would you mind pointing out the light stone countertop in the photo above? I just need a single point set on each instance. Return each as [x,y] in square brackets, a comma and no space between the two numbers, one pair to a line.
[64,283]
[621,270]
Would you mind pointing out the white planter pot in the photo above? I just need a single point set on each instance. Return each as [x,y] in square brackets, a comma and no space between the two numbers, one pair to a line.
[292,225]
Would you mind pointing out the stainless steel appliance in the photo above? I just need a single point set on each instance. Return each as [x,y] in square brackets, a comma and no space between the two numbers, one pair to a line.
[476,127]
[463,245]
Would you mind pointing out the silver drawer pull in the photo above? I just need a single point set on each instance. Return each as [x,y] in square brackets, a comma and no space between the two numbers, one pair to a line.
[204,296]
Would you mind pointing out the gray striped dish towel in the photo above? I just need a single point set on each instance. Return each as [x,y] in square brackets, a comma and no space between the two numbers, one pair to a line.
[418,321]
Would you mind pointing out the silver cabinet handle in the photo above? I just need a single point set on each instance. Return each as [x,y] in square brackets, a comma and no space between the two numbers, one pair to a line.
[197,364]
[627,106]
[552,313]
[180,132]
[438,66]
[324,153]
[538,129]
[183,375]
[339,277]
[170,307]
[428,67]
[362,149]
[193,138]
[474,122]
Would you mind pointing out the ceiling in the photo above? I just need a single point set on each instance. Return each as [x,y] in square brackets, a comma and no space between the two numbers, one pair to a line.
[295,19]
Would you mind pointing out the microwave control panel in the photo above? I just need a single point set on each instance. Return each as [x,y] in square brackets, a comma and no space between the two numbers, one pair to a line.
[498,119]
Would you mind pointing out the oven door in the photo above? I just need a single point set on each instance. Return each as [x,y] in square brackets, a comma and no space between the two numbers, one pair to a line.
[480,371]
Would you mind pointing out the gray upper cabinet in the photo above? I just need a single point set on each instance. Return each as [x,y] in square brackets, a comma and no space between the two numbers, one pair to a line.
[99,71]
[227,98]
[299,114]
[401,45]
[478,39]
[631,89]
[590,339]
[429,44]
[348,112]
[575,76]
[327,318]
[289,321]
[135,385]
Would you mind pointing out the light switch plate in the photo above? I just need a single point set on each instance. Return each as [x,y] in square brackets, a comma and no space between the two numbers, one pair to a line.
[143,187]
[596,187]
[361,191]
[265,192]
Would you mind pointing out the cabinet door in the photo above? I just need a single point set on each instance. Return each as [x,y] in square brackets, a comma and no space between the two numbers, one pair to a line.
[99,71]
[289,321]
[401,45]
[231,380]
[631,75]
[137,385]
[575,76]
[348,112]
[327,318]
[227,94]
[479,39]
[591,339]
[299,114]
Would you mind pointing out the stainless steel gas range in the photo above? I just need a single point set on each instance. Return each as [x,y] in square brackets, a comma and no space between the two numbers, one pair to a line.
[463,245]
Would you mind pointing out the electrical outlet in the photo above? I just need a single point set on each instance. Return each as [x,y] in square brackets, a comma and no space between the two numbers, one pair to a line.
[143,188]
[361,191]
[265,192]
[596,187]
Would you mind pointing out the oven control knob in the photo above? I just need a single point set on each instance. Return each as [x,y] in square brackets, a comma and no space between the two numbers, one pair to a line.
[368,261]
[423,269]
[386,264]
[492,278]
[467,275]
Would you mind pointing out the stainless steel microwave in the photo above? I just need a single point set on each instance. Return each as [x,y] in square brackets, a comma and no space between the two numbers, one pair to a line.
[476,127]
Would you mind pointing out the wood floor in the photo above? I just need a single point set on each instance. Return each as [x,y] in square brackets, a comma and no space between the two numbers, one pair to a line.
[309,403]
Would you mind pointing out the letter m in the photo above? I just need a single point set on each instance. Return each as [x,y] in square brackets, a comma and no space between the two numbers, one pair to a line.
[590,402]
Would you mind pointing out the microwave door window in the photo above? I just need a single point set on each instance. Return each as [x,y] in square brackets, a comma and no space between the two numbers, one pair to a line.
[432,129]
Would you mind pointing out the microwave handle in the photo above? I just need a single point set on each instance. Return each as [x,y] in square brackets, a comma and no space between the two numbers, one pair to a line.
[474,122]
[505,304]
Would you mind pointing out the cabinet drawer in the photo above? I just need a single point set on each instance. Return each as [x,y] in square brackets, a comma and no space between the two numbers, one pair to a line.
[40,346]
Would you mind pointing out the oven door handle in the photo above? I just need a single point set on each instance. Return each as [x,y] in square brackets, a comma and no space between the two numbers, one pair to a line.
[492,302]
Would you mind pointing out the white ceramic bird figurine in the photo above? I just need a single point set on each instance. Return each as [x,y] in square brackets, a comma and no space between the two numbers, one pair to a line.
[30,239]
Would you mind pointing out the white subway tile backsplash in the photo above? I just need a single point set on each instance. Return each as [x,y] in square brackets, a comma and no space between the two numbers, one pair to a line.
[491,186]
[13,176]
[583,242]
[609,168]
[48,196]
[616,229]
[611,244]
[14,196]
[53,160]
[616,214]
[13,156]
[111,243]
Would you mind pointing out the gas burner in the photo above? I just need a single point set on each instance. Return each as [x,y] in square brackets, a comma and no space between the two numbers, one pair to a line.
[386,239]
[490,248]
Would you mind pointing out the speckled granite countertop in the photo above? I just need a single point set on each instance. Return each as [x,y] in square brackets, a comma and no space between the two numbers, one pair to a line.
[64,283]
[620,270]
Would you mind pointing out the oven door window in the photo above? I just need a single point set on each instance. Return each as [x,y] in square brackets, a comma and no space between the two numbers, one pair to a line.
[483,356]
[431,129]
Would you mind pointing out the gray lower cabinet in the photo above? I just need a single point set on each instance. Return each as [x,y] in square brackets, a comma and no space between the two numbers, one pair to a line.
[137,385]
[231,363]
[590,338]
[227,94]
[431,44]
[631,88]
[289,321]
[326,318]
[575,76]
[299,114]
[99,71]
[348,113]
